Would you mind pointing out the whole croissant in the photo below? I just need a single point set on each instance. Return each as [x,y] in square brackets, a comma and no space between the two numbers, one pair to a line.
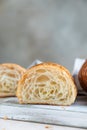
[82,76]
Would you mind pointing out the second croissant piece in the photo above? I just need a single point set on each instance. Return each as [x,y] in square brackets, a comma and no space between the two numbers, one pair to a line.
[10,74]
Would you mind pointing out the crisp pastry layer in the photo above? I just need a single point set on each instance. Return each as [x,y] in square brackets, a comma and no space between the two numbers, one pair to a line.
[10,74]
[47,83]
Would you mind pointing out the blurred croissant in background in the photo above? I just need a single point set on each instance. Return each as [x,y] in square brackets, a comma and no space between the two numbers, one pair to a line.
[82,76]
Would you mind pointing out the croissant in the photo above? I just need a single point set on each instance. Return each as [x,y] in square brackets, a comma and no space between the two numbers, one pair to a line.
[47,83]
[10,74]
[82,76]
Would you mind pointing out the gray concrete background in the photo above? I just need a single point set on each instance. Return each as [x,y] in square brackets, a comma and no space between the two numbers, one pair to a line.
[50,30]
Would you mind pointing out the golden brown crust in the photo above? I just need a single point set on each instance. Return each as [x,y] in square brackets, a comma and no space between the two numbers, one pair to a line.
[82,76]
[13,66]
[46,65]
[8,69]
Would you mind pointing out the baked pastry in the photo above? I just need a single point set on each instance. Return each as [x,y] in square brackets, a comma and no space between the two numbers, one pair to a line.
[10,74]
[47,83]
[82,76]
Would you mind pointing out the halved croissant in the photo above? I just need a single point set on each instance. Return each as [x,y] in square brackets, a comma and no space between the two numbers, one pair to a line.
[47,83]
[10,74]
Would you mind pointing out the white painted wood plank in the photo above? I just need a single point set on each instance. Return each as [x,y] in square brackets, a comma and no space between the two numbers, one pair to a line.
[19,125]
[75,115]
[79,106]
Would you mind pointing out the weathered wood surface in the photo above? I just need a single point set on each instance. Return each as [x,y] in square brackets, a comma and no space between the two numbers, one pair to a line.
[74,115]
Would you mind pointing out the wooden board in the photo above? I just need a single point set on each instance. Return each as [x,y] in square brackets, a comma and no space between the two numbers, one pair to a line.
[74,115]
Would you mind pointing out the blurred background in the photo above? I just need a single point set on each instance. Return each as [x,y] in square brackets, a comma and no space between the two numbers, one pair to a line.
[48,30]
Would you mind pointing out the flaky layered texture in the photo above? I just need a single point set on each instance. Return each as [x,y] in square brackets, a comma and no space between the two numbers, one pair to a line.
[47,83]
[10,74]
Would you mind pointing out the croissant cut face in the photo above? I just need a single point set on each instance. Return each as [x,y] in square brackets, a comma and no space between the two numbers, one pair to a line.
[47,83]
[10,74]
